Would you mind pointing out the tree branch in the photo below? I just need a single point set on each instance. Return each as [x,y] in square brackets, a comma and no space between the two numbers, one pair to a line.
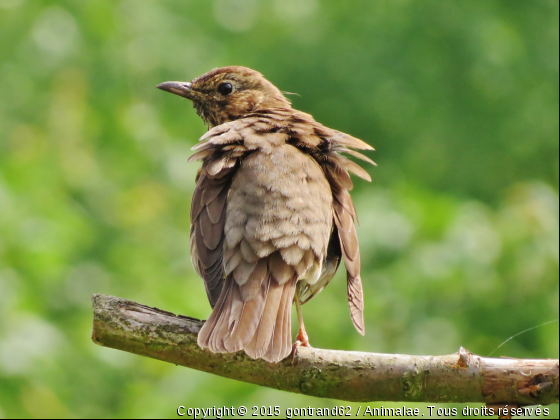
[343,375]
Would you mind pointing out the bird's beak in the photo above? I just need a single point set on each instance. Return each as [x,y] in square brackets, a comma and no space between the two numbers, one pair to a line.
[178,88]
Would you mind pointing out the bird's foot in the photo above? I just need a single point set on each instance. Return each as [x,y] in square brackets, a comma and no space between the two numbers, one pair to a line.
[302,340]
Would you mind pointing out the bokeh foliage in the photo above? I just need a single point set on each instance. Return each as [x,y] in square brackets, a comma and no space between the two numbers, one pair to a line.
[459,229]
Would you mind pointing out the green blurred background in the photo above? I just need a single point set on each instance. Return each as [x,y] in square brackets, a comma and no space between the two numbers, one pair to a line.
[459,228]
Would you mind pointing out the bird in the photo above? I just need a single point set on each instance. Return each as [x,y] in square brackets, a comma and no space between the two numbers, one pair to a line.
[271,214]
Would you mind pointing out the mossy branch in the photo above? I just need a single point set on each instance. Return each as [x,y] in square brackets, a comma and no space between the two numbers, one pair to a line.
[343,375]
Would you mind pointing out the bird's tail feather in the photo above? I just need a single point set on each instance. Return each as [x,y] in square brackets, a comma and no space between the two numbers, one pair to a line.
[261,325]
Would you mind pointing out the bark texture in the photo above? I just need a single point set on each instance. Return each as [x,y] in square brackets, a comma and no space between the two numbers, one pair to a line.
[349,376]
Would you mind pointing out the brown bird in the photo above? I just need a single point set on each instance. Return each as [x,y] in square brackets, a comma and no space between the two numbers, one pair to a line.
[271,214]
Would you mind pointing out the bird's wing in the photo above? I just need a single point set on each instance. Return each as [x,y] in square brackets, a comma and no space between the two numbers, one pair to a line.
[325,145]
[337,169]
[344,215]
[220,151]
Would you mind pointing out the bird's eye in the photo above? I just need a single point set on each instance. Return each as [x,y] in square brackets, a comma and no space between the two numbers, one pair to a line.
[225,88]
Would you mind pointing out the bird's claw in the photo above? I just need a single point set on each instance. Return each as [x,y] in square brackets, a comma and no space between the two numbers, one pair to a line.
[302,340]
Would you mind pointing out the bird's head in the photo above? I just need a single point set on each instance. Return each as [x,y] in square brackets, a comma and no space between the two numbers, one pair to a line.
[228,93]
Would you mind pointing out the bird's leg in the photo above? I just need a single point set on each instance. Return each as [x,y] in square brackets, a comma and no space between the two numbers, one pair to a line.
[301,339]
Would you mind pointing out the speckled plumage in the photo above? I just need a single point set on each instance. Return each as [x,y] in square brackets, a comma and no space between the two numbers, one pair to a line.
[271,214]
